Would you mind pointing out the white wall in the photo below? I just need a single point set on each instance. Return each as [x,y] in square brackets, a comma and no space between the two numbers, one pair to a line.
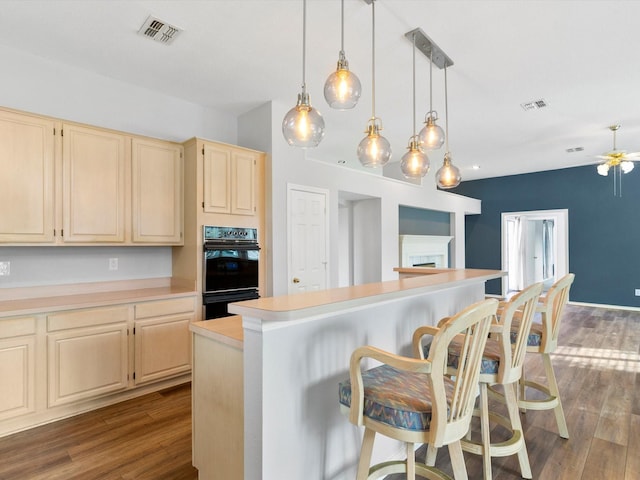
[34,84]
[294,165]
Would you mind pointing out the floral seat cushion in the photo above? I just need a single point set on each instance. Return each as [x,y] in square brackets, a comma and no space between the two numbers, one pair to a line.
[394,397]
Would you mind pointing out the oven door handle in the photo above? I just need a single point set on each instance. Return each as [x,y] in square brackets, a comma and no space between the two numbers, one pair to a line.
[234,246]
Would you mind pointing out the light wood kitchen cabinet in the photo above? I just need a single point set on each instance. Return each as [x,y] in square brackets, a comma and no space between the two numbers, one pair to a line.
[17,366]
[94,164]
[229,179]
[157,199]
[162,339]
[27,156]
[87,353]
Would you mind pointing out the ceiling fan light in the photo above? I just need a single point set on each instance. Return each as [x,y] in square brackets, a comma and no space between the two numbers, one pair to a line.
[603,169]
[414,163]
[448,175]
[626,166]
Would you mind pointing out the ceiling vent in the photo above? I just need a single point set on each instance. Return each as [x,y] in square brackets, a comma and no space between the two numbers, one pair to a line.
[534,105]
[575,149]
[159,30]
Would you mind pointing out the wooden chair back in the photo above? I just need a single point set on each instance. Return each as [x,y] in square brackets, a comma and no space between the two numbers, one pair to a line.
[452,413]
[552,308]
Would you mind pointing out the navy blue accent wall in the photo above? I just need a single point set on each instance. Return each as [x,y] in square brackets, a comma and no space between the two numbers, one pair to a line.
[418,221]
[604,231]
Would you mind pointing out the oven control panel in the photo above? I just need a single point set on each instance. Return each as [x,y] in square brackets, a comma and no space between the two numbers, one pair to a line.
[213,233]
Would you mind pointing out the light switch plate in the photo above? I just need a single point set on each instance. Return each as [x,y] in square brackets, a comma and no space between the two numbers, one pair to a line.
[113,264]
[637,292]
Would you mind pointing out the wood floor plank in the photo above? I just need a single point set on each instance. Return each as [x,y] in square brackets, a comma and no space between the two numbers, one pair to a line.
[632,466]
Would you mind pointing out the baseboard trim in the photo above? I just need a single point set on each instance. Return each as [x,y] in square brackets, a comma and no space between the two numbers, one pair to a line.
[602,305]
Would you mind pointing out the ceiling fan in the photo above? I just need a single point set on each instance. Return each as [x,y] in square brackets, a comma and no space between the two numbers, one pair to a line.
[619,160]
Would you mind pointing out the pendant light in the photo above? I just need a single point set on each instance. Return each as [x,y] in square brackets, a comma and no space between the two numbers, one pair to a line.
[415,163]
[374,150]
[342,89]
[303,125]
[431,136]
[448,176]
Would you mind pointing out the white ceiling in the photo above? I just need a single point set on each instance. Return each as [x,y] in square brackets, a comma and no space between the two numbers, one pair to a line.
[581,57]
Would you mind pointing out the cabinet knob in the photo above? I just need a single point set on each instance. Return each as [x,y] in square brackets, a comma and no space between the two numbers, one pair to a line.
[296,280]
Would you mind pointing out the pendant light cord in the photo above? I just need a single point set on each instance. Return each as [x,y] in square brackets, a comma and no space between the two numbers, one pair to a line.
[414,85]
[430,79]
[342,27]
[373,59]
[304,44]
[446,107]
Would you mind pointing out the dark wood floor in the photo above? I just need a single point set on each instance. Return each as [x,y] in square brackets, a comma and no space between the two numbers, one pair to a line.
[150,437]
[144,438]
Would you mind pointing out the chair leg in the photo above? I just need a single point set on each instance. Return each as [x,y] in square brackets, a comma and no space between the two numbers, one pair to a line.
[553,388]
[365,454]
[432,453]
[510,395]
[457,461]
[485,432]
[411,462]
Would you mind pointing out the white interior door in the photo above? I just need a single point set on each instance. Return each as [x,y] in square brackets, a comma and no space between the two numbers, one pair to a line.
[307,234]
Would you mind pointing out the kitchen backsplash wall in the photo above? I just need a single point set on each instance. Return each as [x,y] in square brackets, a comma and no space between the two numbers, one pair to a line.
[34,266]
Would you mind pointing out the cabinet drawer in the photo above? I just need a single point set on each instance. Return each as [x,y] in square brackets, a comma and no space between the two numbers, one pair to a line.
[17,327]
[87,318]
[164,307]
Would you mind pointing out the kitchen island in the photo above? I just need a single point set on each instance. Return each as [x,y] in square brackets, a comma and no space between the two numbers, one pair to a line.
[296,350]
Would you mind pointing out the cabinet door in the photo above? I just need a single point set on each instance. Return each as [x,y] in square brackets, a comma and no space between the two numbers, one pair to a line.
[86,362]
[162,347]
[17,376]
[94,163]
[27,181]
[243,181]
[217,174]
[157,192]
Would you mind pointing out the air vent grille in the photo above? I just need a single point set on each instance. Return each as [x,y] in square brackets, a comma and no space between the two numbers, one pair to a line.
[535,104]
[575,149]
[159,30]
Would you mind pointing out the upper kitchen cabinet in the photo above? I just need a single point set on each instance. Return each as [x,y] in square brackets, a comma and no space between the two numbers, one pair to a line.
[64,183]
[157,199]
[229,179]
[27,156]
[94,165]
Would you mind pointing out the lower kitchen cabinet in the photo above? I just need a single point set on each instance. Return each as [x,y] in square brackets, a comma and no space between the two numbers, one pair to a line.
[57,364]
[17,366]
[162,339]
[87,353]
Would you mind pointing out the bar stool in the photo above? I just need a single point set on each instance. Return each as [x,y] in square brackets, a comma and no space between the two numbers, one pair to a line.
[502,364]
[414,400]
[543,339]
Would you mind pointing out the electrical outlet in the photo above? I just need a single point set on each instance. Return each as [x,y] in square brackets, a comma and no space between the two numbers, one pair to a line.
[113,264]
[5,268]
[637,292]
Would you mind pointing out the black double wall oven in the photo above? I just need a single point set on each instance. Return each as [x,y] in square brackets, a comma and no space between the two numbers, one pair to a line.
[229,268]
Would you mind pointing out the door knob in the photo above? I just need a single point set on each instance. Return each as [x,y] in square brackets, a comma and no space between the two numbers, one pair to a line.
[296,280]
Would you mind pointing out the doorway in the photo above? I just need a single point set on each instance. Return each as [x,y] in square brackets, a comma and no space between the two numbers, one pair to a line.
[535,248]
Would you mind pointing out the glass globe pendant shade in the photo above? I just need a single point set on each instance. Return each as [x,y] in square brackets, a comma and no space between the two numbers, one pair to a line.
[374,150]
[603,169]
[414,163]
[342,89]
[303,125]
[626,166]
[448,175]
[431,137]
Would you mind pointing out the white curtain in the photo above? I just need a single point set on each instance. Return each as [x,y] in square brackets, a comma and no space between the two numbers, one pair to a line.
[517,250]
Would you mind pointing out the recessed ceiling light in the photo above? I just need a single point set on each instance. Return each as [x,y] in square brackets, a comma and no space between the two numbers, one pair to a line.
[341,162]
[575,149]
[476,167]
